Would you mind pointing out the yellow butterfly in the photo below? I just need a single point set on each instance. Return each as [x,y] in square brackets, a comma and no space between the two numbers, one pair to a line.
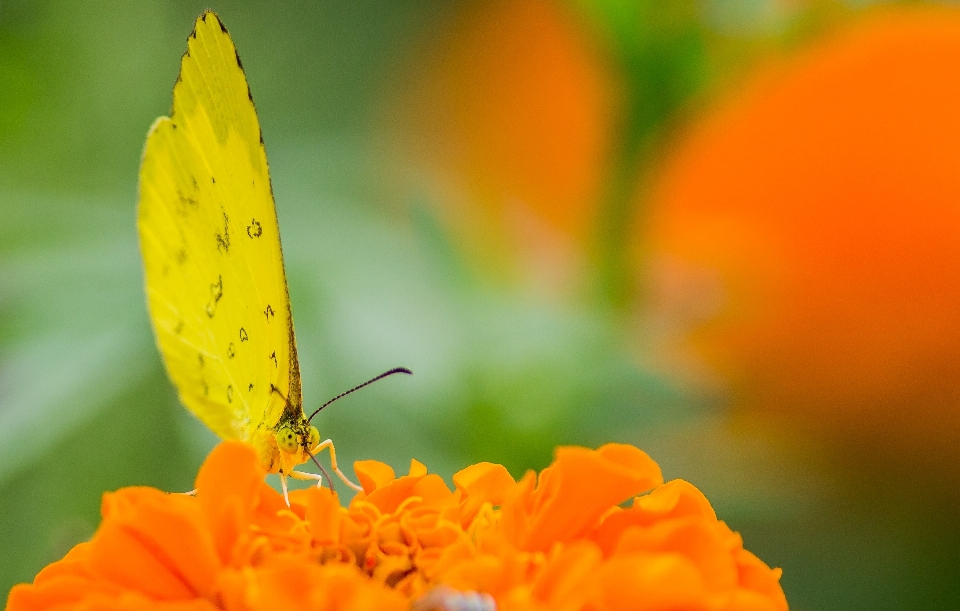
[215,284]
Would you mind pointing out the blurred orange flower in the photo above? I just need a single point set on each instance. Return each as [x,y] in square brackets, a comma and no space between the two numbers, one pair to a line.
[560,541]
[512,121]
[805,238]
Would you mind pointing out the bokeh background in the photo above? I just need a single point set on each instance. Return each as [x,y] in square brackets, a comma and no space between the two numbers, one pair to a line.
[725,231]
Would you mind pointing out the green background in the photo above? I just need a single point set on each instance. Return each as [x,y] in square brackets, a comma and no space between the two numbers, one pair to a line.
[502,373]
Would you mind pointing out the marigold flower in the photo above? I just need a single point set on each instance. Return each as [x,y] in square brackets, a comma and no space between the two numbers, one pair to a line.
[514,110]
[557,541]
[799,237]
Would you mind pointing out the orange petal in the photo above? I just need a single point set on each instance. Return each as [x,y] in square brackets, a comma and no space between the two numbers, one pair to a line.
[431,488]
[640,582]
[324,515]
[581,486]
[74,564]
[75,593]
[60,591]
[417,467]
[677,498]
[482,483]
[673,500]
[707,545]
[566,579]
[155,543]
[373,474]
[229,486]
[430,530]
[748,600]
[756,576]
[632,458]
[287,582]
[462,569]
[516,510]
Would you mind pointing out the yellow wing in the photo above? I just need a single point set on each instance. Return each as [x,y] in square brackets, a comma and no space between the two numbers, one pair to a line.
[215,283]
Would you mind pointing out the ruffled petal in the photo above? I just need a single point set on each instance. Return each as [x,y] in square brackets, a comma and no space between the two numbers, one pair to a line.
[287,582]
[429,488]
[580,487]
[482,483]
[651,582]
[155,543]
[229,486]
[373,474]
[557,542]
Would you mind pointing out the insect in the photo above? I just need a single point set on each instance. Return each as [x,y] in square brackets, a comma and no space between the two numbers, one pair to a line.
[213,266]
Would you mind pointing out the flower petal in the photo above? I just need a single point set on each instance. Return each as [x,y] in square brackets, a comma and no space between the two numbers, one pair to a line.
[324,515]
[756,576]
[651,582]
[430,488]
[166,548]
[567,578]
[482,483]
[673,500]
[373,474]
[582,485]
[229,487]
[709,546]
[287,582]
[417,467]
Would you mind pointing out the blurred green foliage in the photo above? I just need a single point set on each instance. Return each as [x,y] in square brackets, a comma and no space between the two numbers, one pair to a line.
[660,54]
[503,373]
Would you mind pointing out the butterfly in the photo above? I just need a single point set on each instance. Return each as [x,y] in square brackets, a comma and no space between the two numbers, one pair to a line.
[213,266]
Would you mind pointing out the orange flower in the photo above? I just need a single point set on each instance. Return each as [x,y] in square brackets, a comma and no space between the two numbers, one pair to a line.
[512,120]
[804,238]
[559,541]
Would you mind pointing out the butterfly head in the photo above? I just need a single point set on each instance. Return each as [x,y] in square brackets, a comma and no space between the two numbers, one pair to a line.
[297,439]
[290,444]
[291,440]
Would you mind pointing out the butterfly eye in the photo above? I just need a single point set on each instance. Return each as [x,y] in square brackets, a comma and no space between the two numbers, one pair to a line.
[314,438]
[287,439]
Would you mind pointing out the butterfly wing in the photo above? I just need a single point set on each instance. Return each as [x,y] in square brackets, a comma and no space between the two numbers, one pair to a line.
[215,283]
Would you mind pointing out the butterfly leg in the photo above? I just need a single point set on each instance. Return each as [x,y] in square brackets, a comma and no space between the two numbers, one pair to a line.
[333,462]
[308,476]
[283,484]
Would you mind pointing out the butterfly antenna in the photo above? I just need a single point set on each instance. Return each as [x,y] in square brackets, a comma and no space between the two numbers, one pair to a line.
[322,470]
[344,394]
